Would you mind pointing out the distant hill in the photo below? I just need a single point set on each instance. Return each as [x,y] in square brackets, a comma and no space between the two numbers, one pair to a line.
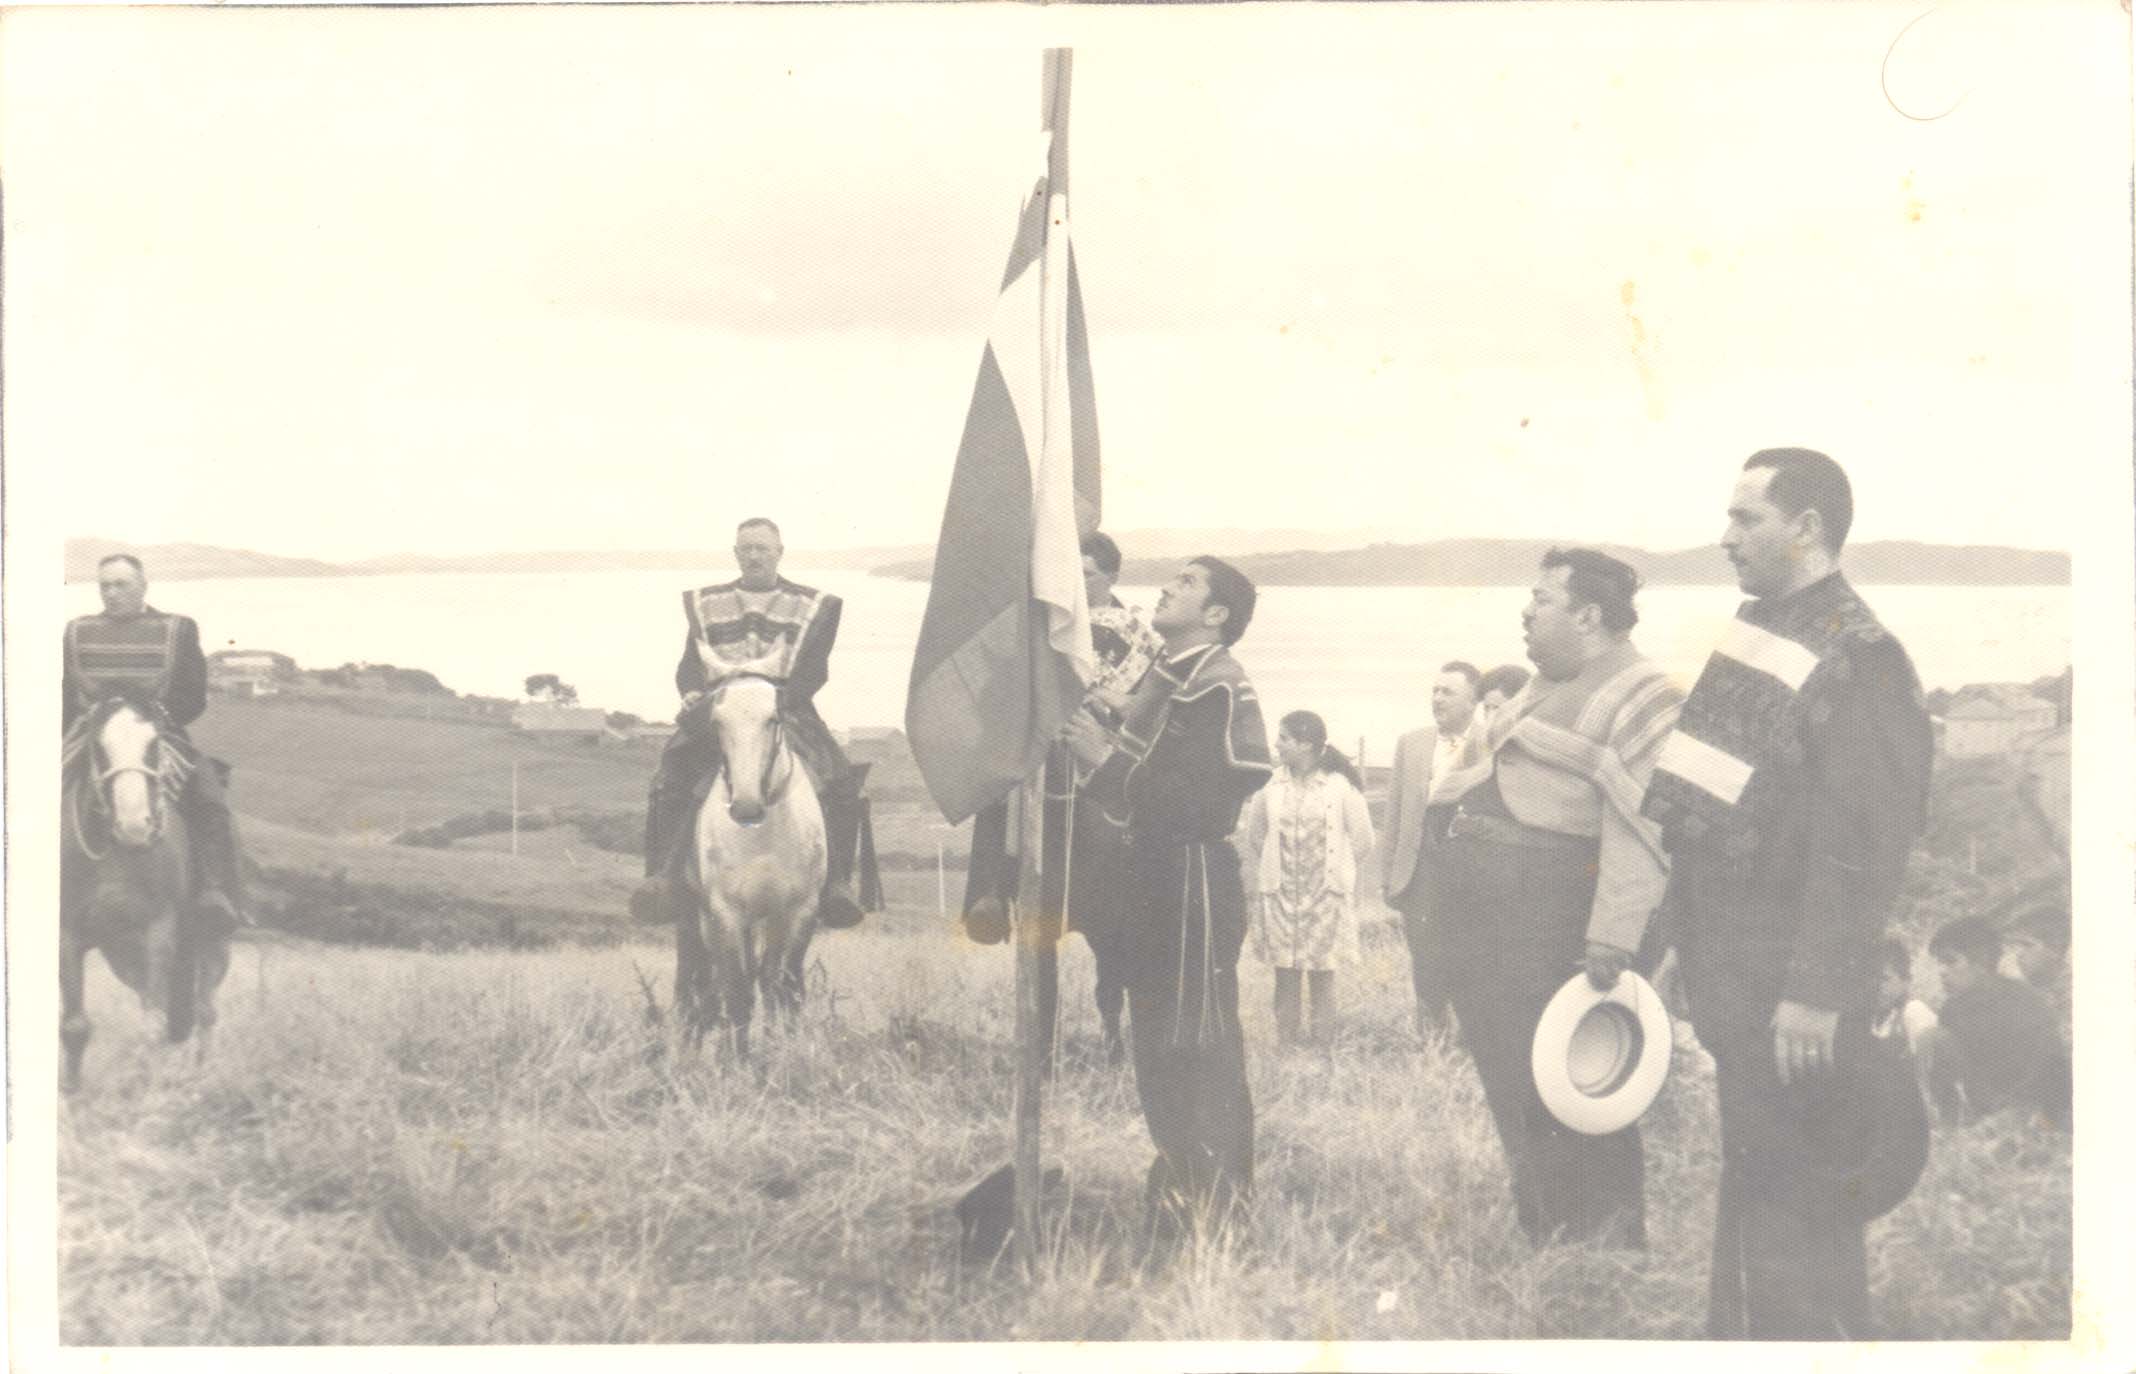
[1512,562]
[709,560]
[181,562]
[1273,557]
[187,562]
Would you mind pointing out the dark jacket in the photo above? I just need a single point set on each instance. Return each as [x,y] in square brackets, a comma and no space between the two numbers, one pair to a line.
[1192,749]
[1800,916]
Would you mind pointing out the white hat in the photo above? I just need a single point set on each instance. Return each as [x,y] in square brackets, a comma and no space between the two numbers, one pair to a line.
[1600,1057]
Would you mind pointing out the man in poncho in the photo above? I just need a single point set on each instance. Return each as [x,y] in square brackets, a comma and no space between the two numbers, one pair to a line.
[1789,797]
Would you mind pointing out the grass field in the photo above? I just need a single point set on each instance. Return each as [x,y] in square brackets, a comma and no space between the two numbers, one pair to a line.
[392,1146]
[477,1137]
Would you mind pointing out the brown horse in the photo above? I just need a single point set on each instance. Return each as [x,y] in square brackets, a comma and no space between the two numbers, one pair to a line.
[126,880]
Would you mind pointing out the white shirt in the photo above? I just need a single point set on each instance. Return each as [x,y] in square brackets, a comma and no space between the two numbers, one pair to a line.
[1446,752]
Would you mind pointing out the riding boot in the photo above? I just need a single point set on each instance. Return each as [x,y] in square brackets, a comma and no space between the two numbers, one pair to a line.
[219,887]
[843,811]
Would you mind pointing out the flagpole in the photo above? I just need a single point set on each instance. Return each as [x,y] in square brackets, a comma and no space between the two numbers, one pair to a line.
[1030,927]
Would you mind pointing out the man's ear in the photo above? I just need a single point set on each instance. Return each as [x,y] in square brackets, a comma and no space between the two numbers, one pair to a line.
[1219,610]
[1810,525]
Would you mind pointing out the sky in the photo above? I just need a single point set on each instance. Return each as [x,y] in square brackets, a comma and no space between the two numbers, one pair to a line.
[342,283]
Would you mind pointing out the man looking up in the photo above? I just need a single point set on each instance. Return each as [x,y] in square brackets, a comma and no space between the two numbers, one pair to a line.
[1190,750]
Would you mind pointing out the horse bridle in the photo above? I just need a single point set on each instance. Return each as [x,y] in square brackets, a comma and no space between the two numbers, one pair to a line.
[769,789]
[164,779]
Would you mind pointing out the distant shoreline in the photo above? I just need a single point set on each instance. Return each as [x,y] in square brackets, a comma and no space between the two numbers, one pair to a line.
[1442,563]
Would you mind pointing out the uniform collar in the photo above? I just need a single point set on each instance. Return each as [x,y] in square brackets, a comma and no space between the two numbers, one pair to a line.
[1183,663]
[1766,610]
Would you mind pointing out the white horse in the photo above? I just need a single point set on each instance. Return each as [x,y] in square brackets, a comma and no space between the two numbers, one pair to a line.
[126,882]
[761,861]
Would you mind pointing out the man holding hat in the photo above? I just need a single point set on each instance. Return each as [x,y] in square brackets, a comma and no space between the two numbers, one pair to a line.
[1545,867]
[1789,798]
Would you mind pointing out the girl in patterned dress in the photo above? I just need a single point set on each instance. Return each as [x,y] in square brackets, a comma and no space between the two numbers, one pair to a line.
[1307,833]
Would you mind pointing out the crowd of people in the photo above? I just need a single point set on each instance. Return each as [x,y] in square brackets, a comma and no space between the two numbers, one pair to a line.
[1573,821]
[1589,818]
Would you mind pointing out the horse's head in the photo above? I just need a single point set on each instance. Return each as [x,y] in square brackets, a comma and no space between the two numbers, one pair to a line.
[130,761]
[745,712]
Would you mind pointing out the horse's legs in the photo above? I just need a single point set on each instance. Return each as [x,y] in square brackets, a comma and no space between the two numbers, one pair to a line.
[214,966]
[789,979]
[73,1021]
[733,987]
[172,964]
[691,971]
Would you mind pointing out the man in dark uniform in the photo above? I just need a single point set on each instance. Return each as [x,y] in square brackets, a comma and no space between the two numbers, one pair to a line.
[1790,796]
[1084,853]
[153,659]
[759,623]
[1190,750]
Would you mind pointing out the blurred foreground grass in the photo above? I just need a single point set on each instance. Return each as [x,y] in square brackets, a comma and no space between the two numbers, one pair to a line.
[391,1146]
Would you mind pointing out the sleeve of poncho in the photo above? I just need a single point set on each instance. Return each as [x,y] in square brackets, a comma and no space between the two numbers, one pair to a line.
[1867,751]
[1631,875]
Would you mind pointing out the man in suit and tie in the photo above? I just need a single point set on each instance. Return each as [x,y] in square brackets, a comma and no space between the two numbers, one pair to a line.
[1421,756]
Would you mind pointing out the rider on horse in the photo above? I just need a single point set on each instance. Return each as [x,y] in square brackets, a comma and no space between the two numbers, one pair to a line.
[153,659]
[759,623]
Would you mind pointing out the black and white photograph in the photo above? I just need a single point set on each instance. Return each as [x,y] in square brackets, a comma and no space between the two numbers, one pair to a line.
[1215,686]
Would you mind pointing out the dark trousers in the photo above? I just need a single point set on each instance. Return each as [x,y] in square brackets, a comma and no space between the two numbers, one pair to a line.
[1515,922]
[1188,913]
[1080,888]
[1790,1260]
[213,832]
[1427,953]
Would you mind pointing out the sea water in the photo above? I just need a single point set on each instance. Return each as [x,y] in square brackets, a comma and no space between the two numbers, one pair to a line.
[1363,657]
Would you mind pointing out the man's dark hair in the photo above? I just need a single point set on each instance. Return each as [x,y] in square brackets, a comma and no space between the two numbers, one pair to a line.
[1804,479]
[128,559]
[1972,938]
[1231,589]
[760,522]
[1596,579]
[1897,958]
[1467,670]
[1506,677]
[1100,549]
[2048,922]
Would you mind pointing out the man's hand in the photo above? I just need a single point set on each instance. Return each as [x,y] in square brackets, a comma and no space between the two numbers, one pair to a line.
[1802,1041]
[1088,739]
[1111,698]
[1606,964]
[690,701]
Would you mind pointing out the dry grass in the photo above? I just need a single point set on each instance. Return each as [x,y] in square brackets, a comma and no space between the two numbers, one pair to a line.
[492,1147]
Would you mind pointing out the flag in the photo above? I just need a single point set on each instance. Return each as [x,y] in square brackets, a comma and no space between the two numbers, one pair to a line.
[1004,649]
